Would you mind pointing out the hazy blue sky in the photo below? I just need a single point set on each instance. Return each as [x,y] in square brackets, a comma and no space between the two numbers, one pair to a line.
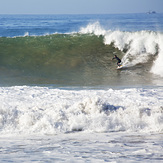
[79,6]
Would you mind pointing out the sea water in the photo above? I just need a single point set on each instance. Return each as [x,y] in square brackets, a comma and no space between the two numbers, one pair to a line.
[62,98]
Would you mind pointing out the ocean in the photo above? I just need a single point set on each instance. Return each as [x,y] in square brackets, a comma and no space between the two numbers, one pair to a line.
[62,98]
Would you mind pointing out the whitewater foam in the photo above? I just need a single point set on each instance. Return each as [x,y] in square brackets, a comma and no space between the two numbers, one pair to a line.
[40,110]
[158,66]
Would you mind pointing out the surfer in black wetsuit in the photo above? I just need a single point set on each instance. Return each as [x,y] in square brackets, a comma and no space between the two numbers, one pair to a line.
[119,61]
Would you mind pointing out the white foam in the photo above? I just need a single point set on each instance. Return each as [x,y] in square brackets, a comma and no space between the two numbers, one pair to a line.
[82,147]
[26,34]
[140,45]
[158,66]
[94,28]
[37,110]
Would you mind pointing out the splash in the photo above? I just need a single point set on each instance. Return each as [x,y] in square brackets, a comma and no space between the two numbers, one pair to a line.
[26,34]
[139,46]
[94,28]
[158,66]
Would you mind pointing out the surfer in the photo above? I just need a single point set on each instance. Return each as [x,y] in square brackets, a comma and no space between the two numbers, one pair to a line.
[119,61]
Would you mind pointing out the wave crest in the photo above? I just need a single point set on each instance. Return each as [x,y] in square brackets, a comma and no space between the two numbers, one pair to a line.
[138,46]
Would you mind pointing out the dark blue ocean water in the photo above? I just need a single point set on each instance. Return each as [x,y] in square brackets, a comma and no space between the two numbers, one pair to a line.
[19,25]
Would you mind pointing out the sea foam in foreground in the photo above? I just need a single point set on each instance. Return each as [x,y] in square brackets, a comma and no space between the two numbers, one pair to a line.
[42,124]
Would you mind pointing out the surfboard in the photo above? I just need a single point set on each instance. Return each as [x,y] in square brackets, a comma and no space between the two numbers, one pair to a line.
[120,67]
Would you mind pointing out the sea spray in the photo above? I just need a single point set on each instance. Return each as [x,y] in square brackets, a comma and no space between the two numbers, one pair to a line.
[158,67]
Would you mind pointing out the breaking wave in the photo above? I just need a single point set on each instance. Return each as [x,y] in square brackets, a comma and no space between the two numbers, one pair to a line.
[81,58]
[139,47]
[40,110]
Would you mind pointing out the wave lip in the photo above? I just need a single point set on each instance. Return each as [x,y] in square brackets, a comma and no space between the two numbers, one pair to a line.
[94,28]
[158,66]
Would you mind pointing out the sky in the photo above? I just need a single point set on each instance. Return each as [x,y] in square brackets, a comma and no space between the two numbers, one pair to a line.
[79,6]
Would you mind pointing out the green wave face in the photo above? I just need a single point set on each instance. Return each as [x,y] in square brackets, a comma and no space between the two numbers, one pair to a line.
[54,51]
[66,59]
[61,58]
